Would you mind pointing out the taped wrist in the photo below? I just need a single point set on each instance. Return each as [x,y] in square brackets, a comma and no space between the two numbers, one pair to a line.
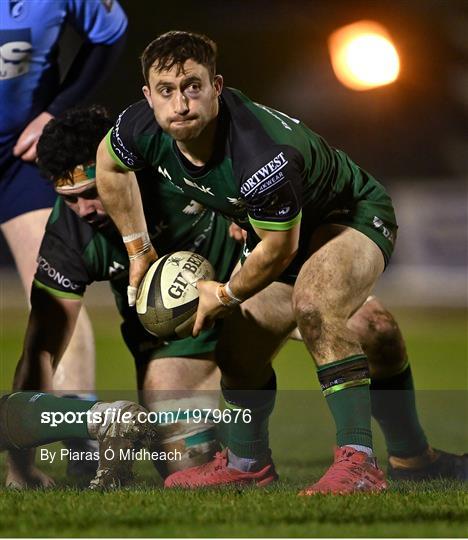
[354,371]
[225,296]
[137,244]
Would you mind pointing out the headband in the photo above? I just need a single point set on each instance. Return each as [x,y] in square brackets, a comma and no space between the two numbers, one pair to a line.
[81,176]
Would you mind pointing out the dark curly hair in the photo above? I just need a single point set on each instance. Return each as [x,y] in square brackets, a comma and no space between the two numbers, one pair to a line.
[174,48]
[70,140]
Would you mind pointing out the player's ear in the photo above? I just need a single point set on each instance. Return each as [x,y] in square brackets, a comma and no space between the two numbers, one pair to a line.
[147,94]
[218,84]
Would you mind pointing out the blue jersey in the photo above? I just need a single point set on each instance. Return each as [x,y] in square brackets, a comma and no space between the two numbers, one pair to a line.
[29,34]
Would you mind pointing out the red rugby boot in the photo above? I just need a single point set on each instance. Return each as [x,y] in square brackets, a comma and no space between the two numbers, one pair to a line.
[217,473]
[351,472]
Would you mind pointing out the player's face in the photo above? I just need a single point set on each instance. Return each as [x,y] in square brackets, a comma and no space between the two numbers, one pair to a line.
[86,204]
[184,102]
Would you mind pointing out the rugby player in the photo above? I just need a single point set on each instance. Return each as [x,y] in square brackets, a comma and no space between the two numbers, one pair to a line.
[30,419]
[31,92]
[320,231]
[81,246]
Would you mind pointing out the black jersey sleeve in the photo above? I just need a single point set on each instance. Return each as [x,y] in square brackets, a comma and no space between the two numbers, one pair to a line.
[61,267]
[128,131]
[272,189]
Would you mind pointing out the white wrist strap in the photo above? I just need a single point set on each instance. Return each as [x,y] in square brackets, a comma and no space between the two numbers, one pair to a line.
[227,288]
[135,236]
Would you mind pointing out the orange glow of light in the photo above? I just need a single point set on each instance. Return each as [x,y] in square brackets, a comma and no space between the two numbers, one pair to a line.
[363,55]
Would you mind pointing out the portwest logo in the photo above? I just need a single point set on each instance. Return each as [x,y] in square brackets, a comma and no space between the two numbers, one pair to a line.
[53,273]
[15,53]
[267,175]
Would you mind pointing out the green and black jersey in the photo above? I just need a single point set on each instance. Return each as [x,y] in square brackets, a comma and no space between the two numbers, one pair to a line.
[74,254]
[267,170]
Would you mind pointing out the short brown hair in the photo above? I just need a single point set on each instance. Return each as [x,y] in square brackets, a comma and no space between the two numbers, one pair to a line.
[175,48]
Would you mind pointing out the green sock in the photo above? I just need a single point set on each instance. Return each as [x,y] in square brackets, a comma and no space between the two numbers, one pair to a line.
[27,419]
[345,385]
[247,435]
[394,408]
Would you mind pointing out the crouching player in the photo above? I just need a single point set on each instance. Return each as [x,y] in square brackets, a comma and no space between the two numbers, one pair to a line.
[30,419]
[320,230]
[81,246]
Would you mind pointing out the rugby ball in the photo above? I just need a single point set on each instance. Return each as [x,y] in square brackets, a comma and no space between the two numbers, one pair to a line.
[167,298]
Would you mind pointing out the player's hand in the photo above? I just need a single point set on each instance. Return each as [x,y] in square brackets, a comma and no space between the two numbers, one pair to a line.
[33,478]
[22,473]
[209,308]
[237,233]
[26,144]
[138,269]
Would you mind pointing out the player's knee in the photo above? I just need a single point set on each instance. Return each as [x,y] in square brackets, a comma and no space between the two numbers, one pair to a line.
[375,325]
[309,317]
[380,337]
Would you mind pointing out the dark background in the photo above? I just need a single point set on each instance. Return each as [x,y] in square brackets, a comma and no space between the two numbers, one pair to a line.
[276,53]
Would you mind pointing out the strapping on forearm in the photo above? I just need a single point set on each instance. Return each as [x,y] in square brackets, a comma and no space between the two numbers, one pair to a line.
[137,244]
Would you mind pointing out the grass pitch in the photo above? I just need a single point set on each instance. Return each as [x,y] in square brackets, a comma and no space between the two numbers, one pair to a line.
[302,437]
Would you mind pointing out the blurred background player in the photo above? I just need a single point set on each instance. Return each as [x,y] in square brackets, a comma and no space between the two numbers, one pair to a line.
[82,245]
[31,93]
[23,425]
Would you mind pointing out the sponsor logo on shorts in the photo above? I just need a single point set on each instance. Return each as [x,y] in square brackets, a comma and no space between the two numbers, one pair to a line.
[15,53]
[53,273]
[266,177]
[379,224]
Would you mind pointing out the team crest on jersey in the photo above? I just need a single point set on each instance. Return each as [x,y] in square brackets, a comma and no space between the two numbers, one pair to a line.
[15,52]
[17,9]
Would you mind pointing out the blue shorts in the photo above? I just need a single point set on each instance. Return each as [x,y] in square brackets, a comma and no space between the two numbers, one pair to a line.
[23,189]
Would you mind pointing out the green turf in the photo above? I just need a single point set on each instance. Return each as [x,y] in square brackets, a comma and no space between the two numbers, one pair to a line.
[302,435]
[429,512]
